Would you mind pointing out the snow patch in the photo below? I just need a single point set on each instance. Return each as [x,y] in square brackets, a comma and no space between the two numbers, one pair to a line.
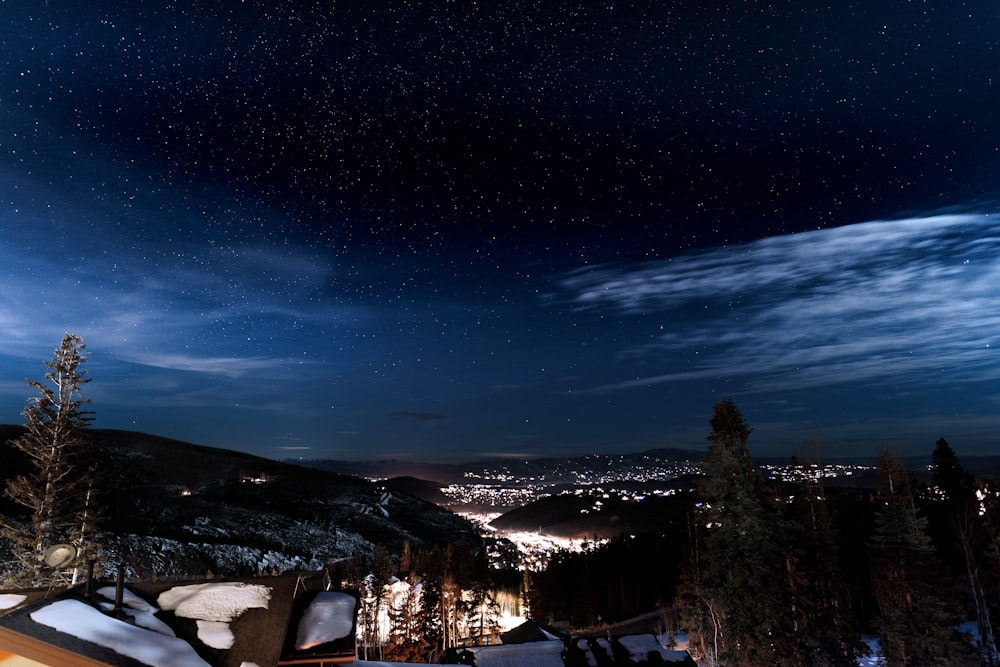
[214,605]
[330,617]
[129,599]
[11,600]
[874,657]
[220,601]
[587,653]
[141,612]
[144,619]
[640,646]
[82,621]
[216,634]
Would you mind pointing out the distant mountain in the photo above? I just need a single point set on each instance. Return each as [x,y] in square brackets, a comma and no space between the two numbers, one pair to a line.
[177,508]
[420,488]
[592,468]
[442,473]
[549,470]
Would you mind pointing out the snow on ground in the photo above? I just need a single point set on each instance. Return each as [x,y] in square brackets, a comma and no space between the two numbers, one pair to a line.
[533,654]
[330,617]
[11,600]
[640,646]
[84,622]
[874,657]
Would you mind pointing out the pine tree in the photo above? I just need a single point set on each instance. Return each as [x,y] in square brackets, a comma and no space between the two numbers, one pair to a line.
[381,574]
[406,642]
[736,598]
[59,492]
[960,535]
[821,601]
[955,482]
[917,612]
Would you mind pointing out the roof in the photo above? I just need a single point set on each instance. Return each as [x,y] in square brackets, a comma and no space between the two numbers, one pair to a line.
[214,623]
[529,631]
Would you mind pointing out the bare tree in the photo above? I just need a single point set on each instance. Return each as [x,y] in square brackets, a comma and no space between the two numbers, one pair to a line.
[59,490]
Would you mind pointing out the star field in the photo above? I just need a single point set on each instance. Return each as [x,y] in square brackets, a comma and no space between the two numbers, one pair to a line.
[451,229]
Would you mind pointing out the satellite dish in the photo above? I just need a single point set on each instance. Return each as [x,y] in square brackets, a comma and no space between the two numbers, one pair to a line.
[59,555]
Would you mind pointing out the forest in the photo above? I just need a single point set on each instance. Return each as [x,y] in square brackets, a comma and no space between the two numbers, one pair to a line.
[756,571]
[763,572]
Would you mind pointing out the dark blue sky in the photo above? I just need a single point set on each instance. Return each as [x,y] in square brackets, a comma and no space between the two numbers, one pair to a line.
[446,230]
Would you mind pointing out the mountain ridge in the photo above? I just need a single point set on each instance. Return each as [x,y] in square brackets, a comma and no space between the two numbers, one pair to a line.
[177,508]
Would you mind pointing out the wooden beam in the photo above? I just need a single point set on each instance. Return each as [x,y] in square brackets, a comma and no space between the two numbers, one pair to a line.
[47,654]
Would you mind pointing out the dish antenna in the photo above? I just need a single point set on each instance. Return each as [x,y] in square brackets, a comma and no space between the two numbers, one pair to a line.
[59,555]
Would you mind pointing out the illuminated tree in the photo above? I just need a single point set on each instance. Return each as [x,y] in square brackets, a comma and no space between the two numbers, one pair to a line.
[59,490]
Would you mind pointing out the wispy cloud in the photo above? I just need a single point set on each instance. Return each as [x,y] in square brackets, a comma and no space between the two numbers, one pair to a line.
[232,367]
[871,302]
[128,306]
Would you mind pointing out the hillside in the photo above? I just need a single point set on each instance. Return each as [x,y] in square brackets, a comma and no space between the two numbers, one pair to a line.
[584,516]
[176,508]
[420,488]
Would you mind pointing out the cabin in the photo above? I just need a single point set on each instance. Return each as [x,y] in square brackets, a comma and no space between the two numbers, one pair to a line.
[290,619]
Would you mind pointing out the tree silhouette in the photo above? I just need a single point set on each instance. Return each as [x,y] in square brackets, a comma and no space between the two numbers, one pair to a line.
[825,620]
[960,535]
[735,602]
[918,609]
[59,492]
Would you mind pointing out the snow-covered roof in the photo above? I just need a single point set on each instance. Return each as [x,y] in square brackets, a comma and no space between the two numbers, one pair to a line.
[640,646]
[210,624]
[11,600]
[79,619]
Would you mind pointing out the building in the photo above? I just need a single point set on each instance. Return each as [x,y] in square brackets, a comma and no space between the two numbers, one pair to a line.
[291,619]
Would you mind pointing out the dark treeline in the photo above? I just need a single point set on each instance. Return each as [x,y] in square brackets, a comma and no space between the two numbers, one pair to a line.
[769,572]
[625,577]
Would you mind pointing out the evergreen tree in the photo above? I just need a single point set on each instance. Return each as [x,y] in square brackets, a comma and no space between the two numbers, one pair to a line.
[374,593]
[821,601]
[917,609]
[954,482]
[428,563]
[484,612]
[59,492]
[736,600]
[960,535]
[406,642]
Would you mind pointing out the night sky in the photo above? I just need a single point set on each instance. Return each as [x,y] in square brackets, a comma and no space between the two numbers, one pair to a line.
[446,230]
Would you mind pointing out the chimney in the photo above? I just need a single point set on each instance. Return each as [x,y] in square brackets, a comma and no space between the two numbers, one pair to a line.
[119,589]
[90,578]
